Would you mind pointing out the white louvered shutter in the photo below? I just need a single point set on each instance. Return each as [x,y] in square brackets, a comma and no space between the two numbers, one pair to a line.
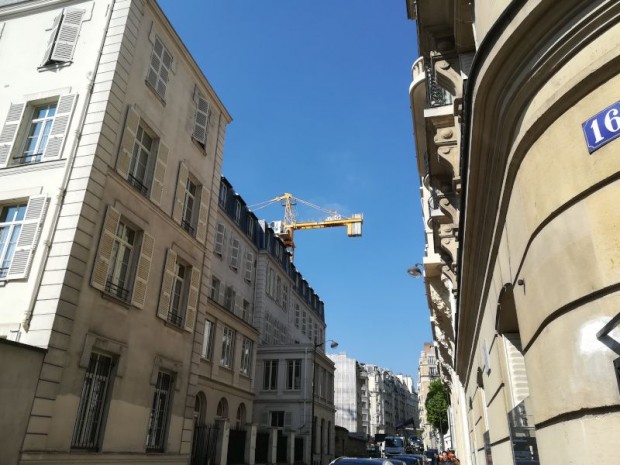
[106,242]
[143,271]
[9,131]
[166,285]
[67,35]
[234,255]
[28,237]
[249,266]
[52,40]
[192,300]
[129,138]
[219,239]
[203,215]
[201,120]
[60,126]
[516,368]
[179,198]
[159,174]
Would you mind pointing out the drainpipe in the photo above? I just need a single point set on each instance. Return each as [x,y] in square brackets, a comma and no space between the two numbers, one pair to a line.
[60,196]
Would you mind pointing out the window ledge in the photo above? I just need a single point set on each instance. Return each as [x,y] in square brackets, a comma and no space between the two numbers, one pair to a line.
[118,300]
[10,170]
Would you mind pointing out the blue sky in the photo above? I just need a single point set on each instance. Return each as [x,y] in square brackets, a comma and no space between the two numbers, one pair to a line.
[318,92]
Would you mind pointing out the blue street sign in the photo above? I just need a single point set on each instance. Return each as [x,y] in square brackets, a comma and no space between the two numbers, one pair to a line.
[602,127]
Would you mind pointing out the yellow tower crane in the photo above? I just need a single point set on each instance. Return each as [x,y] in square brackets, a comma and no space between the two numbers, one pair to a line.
[286,228]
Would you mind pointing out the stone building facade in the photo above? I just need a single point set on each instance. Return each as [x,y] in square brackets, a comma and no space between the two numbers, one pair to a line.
[110,158]
[427,373]
[515,115]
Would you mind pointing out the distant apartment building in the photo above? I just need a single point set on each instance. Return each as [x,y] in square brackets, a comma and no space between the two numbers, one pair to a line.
[348,393]
[427,373]
[390,402]
[110,158]
[294,378]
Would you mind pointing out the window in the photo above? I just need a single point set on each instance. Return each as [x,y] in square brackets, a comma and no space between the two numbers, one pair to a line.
[159,68]
[63,37]
[251,226]
[310,333]
[249,267]
[277,419]
[11,221]
[88,428]
[229,298]
[237,212]
[303,322]
[178,299]
[293,375]
[38,134]
[41,136]
[285,297]
[141,160]
[215,288]
[430,359]
[143,157]
[234,254]
[189,207]
[121,261]
[223,194]
[118,260]
[179,294]
[222,408]
[201,120]
[297,316]
[158,419]
[219,239]
[228,340]
[207,341]
[247,314]
[246,357]
[270,375]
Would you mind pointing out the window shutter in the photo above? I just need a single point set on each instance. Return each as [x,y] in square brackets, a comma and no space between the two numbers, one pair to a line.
[516,367]
[102,261]
[192,300]
[249,266]
[157,187]
[219,239]
[287,418]
[9,131]
[201,120]
[179,198]
[60,126]
[265,417]
[28,237]
[143,271]
[234,255]
[129,138]
[67,35]
[52,40]
[203,215]
[166,285]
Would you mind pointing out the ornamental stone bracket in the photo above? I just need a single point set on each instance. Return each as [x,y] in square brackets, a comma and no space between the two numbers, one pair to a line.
[447,207]
[448,154]
[450,79]
[450,246]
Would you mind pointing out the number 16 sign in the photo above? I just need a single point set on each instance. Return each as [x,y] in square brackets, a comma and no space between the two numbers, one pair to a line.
[602,127]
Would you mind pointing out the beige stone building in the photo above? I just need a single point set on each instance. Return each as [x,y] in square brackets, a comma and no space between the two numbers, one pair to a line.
[110,158]
[515,112]
[427,373]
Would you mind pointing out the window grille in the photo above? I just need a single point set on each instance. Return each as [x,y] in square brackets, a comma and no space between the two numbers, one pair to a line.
[227,347]
[207,344]
[89,420]
[246,357]
[156,433]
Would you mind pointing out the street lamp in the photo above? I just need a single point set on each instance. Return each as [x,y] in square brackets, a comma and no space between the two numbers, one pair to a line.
[415,271]
[333,345]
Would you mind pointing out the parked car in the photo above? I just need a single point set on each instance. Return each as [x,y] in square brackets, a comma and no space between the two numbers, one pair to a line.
[411,459]
[433,455]
[365,461]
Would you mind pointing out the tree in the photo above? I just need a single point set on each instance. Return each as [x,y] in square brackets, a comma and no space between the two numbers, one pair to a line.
[437,406]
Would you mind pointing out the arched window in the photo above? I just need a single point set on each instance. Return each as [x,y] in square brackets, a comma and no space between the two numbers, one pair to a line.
[222,408]
[200,408]
[241,414]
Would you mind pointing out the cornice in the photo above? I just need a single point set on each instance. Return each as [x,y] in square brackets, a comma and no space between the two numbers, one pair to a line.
[530,42]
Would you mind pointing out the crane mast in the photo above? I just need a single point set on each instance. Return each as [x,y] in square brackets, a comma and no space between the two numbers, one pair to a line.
[286,228]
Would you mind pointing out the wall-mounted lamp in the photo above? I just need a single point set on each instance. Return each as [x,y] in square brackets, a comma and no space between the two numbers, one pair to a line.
[415,271]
